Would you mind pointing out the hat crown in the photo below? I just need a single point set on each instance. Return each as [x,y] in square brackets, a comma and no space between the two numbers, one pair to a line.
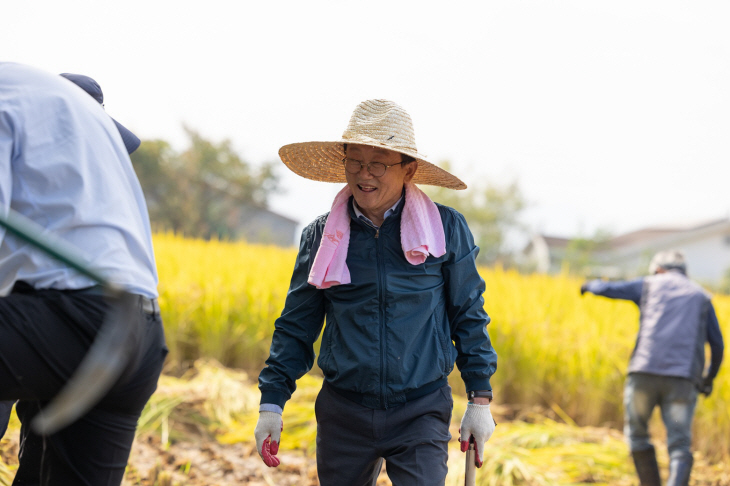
[668,260]
[87,84]
[381,123]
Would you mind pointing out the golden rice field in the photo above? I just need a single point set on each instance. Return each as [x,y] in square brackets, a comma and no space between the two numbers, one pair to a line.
[557,350]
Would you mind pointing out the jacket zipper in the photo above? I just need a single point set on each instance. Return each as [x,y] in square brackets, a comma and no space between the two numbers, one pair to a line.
[381,316]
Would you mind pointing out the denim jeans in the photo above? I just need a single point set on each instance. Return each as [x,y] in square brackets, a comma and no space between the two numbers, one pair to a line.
[676,399]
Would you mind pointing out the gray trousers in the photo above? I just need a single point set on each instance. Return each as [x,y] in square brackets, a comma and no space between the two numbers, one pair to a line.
[412,438]
[675,397]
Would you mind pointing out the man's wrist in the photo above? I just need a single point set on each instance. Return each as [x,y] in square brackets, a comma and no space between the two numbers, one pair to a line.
[487,394]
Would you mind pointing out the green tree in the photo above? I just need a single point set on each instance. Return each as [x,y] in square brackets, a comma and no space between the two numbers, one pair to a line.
[200,192]
[580,252]
[490,210]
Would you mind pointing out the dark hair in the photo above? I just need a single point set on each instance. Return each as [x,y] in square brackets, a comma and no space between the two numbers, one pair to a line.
[404,159]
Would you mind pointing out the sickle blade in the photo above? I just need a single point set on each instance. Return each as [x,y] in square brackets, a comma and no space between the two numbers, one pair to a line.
[102,366]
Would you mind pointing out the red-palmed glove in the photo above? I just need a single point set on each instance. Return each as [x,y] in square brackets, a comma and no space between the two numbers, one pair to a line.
[268,434]
[477,422]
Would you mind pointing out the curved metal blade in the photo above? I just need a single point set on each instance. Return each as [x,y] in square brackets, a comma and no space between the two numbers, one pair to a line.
[105,361]
[113,346]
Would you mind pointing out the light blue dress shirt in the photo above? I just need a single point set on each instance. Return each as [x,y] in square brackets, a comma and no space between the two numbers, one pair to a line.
[63,165]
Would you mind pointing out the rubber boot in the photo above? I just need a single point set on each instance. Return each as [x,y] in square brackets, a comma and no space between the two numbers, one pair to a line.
[679,470]
[647,467]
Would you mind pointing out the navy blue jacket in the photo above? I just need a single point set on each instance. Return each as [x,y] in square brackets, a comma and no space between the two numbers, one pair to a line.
[677,318]
[394,333]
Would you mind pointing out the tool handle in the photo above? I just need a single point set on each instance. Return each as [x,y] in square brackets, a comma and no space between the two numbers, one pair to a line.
[52,245]
[470,469]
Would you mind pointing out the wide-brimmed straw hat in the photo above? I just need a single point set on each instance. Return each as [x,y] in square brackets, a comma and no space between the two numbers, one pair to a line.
[378,123]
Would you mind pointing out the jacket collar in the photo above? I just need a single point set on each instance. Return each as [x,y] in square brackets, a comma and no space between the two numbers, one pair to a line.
[390,214]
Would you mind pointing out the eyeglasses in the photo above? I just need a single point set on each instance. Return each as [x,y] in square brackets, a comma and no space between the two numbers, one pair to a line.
[376,169]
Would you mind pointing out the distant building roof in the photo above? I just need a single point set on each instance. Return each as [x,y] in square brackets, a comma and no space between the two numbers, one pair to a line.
[639,236]
[260,225]
[556,241]
[652,233]
[706,243]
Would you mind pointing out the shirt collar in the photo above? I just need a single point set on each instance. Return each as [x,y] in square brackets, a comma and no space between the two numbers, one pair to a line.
[362,217]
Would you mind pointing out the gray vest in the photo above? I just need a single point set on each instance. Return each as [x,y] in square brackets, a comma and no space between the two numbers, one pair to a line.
[673,327]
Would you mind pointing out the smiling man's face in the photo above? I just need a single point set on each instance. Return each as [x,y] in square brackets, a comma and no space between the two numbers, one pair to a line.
[375,195]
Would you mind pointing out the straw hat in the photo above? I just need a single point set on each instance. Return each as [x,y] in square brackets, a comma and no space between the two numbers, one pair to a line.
[378,123]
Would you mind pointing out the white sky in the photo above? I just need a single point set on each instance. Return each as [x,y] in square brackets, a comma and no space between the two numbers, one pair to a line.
[611,114]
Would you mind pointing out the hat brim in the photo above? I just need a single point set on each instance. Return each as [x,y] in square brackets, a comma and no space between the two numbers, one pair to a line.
[131,141]
[322,161]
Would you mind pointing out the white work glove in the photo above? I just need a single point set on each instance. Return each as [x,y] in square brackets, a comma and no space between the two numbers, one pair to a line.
[477,422]
[268,434]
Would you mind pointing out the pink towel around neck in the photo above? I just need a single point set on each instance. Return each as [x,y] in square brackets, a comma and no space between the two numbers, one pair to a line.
[422,232]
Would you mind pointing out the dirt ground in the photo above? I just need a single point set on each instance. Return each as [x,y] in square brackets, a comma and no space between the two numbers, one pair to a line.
[201,461]
[196,462]
[213,464]
[210,463]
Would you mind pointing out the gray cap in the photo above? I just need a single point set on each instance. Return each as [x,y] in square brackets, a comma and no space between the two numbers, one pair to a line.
[668,260]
